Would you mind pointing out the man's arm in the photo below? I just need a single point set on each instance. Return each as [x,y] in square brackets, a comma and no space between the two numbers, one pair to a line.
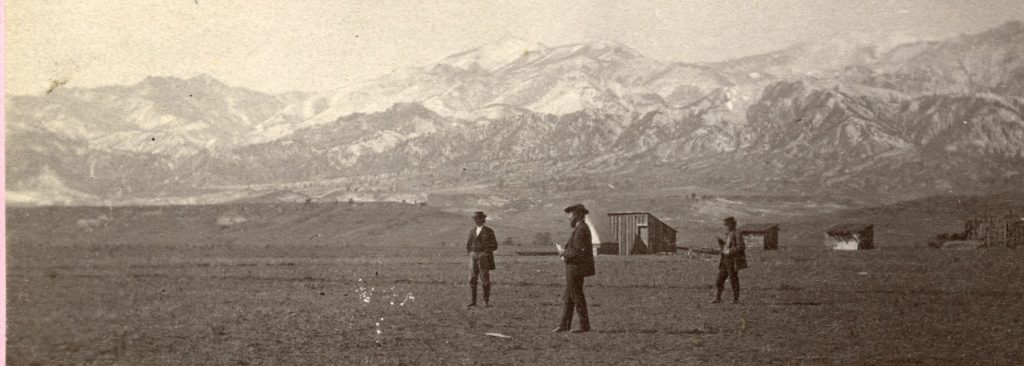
[469,242]
[577,243]
[491,242]
[569,252]
[737,241]
[584,240]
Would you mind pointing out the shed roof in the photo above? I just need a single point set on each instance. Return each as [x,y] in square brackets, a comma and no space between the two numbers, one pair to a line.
[848,228]
[758,227]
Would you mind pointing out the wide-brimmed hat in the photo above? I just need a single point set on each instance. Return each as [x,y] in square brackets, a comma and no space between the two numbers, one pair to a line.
[577,208]
[479,214]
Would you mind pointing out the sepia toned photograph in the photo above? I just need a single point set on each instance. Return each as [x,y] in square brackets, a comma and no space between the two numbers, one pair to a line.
[492,182]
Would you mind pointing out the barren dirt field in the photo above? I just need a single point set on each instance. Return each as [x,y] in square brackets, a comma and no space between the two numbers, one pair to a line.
[182,294]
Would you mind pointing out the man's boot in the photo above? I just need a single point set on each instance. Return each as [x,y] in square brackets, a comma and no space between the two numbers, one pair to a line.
[472,302]
[735,296]
[487,295]
[718,297]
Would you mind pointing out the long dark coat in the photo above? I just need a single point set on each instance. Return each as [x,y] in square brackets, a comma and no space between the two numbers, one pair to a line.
[579,253]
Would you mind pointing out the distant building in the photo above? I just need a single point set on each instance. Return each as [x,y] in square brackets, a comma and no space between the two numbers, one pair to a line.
[994,231]
[640,233]
[761,235]
[851,237]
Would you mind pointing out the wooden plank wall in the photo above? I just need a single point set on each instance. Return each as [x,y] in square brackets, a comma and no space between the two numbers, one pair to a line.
[993,231]
[624,229]
[756,240]
[867,238]
[663,238]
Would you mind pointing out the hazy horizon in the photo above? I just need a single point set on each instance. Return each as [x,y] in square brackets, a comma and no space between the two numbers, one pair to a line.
[279,47]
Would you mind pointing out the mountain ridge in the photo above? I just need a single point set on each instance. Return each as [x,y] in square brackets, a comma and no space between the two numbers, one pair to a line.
[853,120]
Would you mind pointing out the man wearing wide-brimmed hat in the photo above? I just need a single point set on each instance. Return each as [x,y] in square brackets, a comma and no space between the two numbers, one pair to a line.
[481,246]
[579,263]
[734,258]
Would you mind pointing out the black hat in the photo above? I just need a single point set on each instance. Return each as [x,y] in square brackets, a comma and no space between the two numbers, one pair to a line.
[479,214]
[730,219]
[577,208]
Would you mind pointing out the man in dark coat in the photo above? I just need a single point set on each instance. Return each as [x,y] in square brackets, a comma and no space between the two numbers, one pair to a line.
[579,263]
[481,246]
[734,258]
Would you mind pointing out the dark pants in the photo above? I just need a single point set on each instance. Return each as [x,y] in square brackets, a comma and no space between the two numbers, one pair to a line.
[478,272]
[727,269]
[573,298]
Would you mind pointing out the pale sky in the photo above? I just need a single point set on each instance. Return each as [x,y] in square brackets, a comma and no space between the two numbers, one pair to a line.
[281,45]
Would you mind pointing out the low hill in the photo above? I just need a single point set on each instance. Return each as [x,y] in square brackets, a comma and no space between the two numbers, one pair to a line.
[237,226]
[321,230]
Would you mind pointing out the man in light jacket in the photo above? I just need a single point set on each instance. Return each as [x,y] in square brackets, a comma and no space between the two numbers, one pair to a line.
[734,258]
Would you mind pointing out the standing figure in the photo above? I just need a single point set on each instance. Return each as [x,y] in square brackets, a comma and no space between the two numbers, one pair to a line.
[579,263]
[481,246]
[734,258]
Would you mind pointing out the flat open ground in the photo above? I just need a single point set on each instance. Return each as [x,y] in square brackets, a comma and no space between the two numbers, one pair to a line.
[142,297]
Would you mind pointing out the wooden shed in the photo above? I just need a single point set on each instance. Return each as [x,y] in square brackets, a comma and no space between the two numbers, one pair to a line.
[763,235]
[851,237]
[641,233]
[993,231]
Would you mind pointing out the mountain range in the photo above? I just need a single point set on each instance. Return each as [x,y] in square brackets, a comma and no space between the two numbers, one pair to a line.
[838,118]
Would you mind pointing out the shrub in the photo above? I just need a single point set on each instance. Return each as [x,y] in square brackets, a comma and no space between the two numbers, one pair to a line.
[509,242]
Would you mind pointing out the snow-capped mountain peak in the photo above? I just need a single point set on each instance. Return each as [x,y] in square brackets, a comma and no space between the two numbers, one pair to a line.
[613,46]
[493,56]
